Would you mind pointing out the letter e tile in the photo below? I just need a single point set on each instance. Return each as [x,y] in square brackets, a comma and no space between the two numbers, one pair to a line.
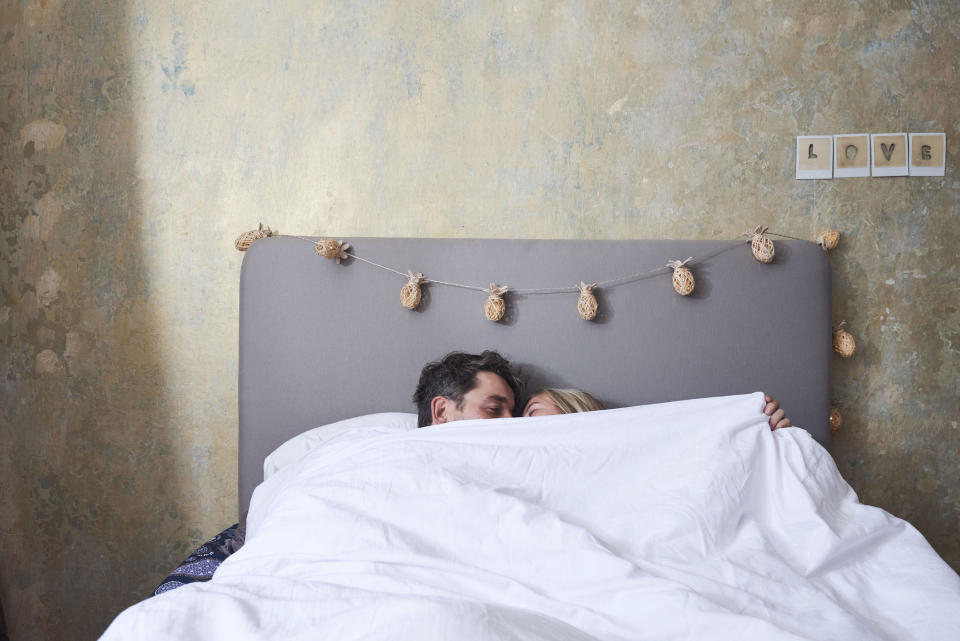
[928,154]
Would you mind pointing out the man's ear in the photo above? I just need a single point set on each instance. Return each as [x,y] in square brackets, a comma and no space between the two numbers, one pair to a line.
[441,410]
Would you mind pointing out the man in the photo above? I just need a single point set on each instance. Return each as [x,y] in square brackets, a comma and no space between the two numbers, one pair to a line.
[463,386]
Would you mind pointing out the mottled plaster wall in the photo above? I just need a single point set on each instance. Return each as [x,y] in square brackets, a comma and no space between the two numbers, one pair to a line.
[139,138]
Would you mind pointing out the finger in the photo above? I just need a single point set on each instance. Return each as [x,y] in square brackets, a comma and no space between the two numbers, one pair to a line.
[771,407]
[767,398]
[776,417]
[785,422]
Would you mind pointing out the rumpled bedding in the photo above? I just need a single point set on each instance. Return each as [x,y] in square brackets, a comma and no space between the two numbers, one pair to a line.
[204,561]
[686,520]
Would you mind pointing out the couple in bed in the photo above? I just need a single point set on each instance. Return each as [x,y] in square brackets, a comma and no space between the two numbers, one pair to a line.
[463,386]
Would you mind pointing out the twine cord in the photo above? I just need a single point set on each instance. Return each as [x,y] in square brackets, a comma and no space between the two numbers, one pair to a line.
[573,289]
[771,233]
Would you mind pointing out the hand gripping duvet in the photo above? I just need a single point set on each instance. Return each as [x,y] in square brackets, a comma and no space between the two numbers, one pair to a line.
[685,520]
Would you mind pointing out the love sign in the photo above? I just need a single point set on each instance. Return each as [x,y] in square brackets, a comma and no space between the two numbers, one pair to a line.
[861,155]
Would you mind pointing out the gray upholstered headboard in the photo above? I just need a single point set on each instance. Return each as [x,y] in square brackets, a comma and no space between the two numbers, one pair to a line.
[320,342]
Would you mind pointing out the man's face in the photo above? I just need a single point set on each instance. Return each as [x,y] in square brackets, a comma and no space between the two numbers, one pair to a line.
[491,398]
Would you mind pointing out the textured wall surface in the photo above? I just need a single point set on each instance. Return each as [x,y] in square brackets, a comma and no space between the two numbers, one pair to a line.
[140,137]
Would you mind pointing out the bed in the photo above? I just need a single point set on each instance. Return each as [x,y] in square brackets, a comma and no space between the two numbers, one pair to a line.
[673,515]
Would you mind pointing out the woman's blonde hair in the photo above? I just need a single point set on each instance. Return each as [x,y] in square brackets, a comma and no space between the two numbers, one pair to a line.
[570,401]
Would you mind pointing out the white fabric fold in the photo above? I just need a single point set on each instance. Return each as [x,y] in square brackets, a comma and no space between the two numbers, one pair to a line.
[686,520]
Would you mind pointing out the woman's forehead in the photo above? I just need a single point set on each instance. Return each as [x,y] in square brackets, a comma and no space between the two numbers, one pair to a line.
[539,398]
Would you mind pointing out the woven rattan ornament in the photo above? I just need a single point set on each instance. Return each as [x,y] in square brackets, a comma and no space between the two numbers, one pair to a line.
[247,238]
[330,248]
[761,245]
[828,239]
[494,307]
[410,294]
[587,303]
[836,420]
[682,276]
[843,342]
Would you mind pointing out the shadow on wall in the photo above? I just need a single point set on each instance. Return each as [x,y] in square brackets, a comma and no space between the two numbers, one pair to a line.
[86,450]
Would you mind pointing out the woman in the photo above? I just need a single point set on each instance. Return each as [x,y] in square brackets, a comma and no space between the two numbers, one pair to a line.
[551,401]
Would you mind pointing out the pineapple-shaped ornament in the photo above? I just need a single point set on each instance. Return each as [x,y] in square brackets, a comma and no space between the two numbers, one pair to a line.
[828,239]
[494,306]
[683,280]
[247,238]
[761,245]
[587,303]
[843,342]
[836,419]
[333,249]
[410,295]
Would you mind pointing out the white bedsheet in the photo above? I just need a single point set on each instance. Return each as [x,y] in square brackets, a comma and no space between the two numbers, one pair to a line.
[687,520]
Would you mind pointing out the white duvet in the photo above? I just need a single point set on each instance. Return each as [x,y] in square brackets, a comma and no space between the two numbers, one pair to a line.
[687,520]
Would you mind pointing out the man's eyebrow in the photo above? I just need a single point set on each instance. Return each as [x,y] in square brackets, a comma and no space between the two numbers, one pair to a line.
[497,397]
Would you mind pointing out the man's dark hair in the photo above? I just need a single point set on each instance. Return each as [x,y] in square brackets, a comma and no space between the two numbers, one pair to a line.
[455,375]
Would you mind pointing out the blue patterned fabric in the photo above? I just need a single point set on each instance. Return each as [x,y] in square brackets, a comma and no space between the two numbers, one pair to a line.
[205,560]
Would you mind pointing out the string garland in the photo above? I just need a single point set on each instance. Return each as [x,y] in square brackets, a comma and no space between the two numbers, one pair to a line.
[621,280]
[495,306]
